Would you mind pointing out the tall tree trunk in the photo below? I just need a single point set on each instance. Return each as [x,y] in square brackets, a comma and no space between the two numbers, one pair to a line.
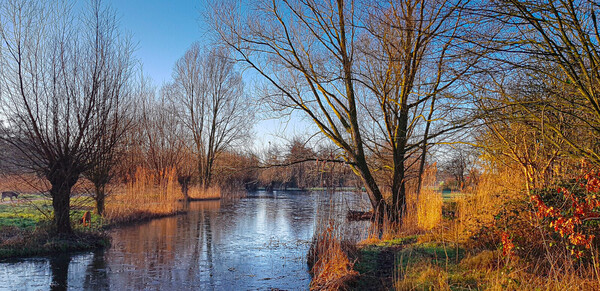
[399,175]
[184,182]
[205,168]
[62,181]
[100,198]
[398,208]
[375,197]
[61,204]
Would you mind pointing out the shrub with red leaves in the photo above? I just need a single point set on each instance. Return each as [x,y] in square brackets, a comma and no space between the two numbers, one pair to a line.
[572,212]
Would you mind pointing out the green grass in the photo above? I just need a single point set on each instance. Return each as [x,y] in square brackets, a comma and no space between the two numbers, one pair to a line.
[32,209]
[24,215]
[26,227]
[397,241]
[449,196]
[382,261]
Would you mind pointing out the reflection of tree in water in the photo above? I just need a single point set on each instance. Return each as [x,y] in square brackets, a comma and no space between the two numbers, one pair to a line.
[59,266]
[96,277]
[168,250]
[209,249]
[194,250]
[201,232]
[195,235]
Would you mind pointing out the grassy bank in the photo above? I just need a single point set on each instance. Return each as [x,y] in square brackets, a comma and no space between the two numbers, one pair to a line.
[414,263]
[431,261]
[17,242]
[486,239]
[26,222]
[26,230]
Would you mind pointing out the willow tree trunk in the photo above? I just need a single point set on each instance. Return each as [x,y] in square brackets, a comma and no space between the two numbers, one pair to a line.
[62,182]
[100,198]
[375,197]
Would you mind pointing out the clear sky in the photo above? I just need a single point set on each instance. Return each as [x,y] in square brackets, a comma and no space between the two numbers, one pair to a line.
[163,30]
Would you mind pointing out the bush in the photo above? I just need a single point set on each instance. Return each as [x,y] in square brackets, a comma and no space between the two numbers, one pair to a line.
[570,213]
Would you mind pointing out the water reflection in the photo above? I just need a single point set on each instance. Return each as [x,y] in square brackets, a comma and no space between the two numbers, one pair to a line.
[96,277]
[59,268]
[256,243]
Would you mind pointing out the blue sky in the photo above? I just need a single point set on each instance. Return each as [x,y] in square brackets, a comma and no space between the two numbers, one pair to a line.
[163,30]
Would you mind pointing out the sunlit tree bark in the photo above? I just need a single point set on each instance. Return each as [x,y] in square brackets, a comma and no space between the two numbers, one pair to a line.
[417,55]
[305,52]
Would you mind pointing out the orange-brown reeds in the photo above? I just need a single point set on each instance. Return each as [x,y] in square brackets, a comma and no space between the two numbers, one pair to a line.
[479,206]
[199,192]
[429,201]
[423,210]
[147,195]
[331,267]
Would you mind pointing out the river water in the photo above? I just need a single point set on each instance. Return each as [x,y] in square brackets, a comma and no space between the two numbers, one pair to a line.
[258,242]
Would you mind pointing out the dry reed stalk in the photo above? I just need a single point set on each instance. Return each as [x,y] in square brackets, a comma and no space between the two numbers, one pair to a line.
[147,194]
[331,267]
[422,212]
[479,207]
[198,192]
[430,201]
[424,209]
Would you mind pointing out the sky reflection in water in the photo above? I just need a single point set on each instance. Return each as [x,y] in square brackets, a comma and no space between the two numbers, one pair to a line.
[255,243]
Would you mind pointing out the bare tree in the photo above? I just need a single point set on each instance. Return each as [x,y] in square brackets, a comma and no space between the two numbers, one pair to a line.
[110,148]
[459,166]
[309,53]
[305,52]
[208,94]
[275,173]
[552,49]
[161,134]
[63,80]
[301,172]
[416,58]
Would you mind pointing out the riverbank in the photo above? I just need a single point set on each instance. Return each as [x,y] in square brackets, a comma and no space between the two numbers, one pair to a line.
[480,243]
[39,239]
[26,225]
[423,262]
[26,229]
[19,243]
[414,263]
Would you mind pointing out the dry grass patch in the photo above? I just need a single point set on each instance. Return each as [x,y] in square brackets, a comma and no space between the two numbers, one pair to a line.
[147,195]
[199,193]
[328,257]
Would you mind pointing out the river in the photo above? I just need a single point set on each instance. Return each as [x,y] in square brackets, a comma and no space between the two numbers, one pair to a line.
[258,242]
